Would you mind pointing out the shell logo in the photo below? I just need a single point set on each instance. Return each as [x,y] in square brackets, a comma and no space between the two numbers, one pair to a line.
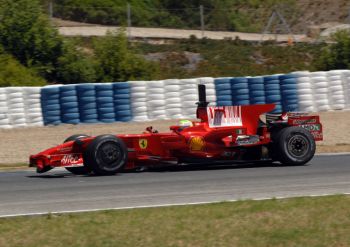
[197,143]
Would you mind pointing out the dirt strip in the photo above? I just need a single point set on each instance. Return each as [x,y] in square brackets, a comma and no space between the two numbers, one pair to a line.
[17,144]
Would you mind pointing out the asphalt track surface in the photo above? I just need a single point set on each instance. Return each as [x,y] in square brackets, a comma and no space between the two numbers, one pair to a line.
[25,192]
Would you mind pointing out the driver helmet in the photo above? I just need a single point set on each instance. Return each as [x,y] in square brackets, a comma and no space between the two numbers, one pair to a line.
[185,123]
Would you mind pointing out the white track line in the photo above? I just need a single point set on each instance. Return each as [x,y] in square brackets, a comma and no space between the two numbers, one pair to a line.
[165,205]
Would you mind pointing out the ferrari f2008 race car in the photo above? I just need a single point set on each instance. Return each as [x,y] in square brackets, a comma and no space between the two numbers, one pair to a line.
[221,135]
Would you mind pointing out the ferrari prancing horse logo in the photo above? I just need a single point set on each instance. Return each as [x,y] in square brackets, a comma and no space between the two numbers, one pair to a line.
[143,143]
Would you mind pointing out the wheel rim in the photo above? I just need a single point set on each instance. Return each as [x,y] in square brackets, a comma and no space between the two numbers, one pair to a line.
[298,145]
[110,154]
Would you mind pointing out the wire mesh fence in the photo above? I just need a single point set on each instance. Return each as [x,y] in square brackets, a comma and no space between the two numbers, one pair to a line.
[239,17]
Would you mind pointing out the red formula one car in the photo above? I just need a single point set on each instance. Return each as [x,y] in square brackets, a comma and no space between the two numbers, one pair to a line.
[222,134]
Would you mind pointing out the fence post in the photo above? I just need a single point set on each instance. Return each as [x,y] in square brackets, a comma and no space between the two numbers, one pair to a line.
[201,11]
[128,15]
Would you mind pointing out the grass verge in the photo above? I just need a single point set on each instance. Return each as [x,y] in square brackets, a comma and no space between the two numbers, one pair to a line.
[319,221]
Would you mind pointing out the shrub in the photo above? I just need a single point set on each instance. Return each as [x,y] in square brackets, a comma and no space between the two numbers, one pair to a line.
[118,62]
[337,55]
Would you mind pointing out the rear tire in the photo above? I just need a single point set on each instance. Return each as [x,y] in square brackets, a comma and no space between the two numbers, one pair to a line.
[294,146]
[106,155]
[77,170]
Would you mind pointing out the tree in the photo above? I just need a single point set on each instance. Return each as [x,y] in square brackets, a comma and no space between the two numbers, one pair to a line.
[74,66]
[12,73]
[337,55]
[118,62]
[27,34]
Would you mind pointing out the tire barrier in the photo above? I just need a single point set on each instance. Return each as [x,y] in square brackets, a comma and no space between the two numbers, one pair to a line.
[50,105]
[121,97]
[239,91]
[69,105]
[87,105]
[288,85]
[15,104]
[210,89]
[173,107]
[105,102]
[155,95]
[189,97]
[273,92]
[4,119]
[336,85]
[169,99]
[223,91]
[138,100]
[256,90]
[32,106]
[305,90]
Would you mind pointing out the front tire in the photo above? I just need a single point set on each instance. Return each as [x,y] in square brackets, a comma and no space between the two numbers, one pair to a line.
[295,146]
[106,155]
[77,170]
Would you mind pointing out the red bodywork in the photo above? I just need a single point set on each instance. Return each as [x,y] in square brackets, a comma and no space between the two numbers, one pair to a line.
[222,134]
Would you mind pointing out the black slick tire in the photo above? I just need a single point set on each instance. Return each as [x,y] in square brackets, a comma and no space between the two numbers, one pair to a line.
[294,146]
[106,155]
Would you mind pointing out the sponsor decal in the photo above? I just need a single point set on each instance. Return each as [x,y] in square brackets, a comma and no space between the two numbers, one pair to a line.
[311,127]
[70,159]
[143,143]
[197,143]
[304,121]
[317,135]
[224,116]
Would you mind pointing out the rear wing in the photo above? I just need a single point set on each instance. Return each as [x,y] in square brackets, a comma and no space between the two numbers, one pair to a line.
[309,122]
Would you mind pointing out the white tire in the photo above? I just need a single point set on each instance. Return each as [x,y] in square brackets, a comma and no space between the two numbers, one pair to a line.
[305,97]
[303,80]
[190,97]
[304,85]
[3,97]
[188,91]
[175,105]
[155,91]
[306,108]
[321,84]
[5,126]
[338,107]
[172,88]
[172,95]
[136,104]
[321,90]
[336,97]
[321,102]
[171,82]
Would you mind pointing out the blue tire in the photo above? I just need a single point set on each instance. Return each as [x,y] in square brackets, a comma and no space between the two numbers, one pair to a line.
[224,98]
[254,94]
[121,96]
[121,91]
[85,87]
[103,87]
[287,77]
[122,102]
[239,86]
[121,85]
[273,98]
[260,98]
[87,93]
[238,80]
[223,86]
[240,91]
[271,87]
[224,103]
[257,87]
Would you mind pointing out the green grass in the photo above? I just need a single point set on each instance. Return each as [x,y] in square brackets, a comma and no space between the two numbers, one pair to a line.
[321,221]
